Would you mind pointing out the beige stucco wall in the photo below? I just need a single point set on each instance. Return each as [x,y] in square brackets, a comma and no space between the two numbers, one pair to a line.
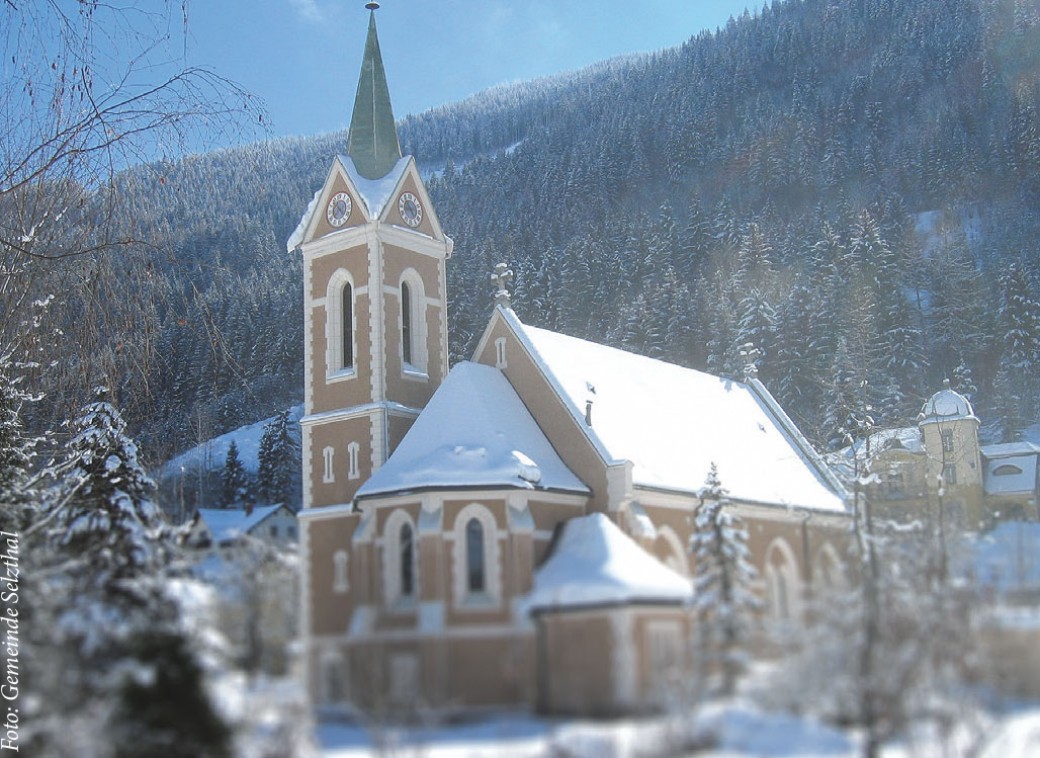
[550,413]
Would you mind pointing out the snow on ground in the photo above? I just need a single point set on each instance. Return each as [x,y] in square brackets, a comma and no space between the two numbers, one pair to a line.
[213,454]
[733,729]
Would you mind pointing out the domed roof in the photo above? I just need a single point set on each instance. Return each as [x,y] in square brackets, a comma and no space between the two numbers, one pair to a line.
[946,405]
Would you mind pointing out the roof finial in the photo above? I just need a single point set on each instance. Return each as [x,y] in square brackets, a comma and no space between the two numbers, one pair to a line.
[501,279]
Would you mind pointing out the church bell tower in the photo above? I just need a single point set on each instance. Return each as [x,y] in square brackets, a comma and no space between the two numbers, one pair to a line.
[374,299]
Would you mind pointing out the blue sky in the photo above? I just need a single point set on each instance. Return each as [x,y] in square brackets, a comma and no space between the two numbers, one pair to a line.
[303,56]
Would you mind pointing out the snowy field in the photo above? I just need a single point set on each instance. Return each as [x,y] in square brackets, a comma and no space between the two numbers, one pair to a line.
[738,729]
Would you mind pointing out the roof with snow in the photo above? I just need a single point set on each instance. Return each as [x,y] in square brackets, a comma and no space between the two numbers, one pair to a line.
[227,524]
[672,423]
[373,193]
[595,563]
[474,432]
[946,405]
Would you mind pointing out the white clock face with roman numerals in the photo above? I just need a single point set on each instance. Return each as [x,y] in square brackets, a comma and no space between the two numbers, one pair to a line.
[339,209]
[410,209]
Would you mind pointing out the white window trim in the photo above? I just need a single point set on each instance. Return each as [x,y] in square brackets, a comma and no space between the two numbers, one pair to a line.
[334,370]
[328,454]
[392,562]
[500,353]
[354,468]
[417,368]
[340,575]
[491,597]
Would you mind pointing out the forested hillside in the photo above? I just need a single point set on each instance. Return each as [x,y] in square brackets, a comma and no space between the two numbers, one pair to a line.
[853,187]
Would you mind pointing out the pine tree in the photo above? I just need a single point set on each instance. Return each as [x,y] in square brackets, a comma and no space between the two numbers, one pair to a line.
[278,462]
[106,508]
[724,598]
[113,673]
[234,481]
[16,453]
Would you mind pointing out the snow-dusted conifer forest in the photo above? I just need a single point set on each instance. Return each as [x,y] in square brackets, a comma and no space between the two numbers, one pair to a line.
[852,188]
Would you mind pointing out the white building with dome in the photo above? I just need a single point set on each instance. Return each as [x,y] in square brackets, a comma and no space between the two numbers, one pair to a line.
[940,464]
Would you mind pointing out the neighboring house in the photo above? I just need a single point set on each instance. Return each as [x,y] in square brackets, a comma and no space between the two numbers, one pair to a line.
[940,466]
[221,527]
[439,505]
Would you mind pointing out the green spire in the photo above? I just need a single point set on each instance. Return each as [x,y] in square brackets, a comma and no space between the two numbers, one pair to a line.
[373,137]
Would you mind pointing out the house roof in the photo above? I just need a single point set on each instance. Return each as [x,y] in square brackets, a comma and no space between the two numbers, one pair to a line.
[595,563]
[372,141]
[672,423]
[225,524]
[474,432]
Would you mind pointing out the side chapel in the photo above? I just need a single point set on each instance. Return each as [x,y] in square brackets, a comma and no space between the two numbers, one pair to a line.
[512,531]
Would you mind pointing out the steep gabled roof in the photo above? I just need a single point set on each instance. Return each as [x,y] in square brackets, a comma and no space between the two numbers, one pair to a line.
[474,433]
[672,423]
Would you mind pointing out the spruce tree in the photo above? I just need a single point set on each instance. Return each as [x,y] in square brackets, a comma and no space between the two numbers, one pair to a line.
[234,481]
[278,462]
[724,598]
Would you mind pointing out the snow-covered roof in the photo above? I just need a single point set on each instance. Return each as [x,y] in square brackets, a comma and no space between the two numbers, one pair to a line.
[672,423]
[226,524]
[474,432]
[374,193]
[946,405]
[1009,474]
[595,563]
[1003,449]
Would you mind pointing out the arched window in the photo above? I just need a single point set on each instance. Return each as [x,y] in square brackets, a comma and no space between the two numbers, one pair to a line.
[400,560]
[475,570]
[339,572]
[406,322]
[413,323]
[406,551]
[330,473]
[476,555]
[347,337]
[783,584]
[339,325]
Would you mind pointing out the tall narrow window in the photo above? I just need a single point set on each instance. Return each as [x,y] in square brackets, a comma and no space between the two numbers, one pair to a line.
[329,475]
[406,321]
[500,352]
[476,580]
[339,572]
[353,469]
[406,544]
[947,440]
[347,306]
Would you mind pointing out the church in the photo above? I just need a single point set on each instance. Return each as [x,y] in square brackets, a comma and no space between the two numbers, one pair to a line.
[511,531]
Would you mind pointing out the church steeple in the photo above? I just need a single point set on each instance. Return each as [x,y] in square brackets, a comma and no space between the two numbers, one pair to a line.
[373,143]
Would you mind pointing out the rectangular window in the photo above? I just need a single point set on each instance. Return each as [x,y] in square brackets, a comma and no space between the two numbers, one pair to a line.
[500,352]
[949,474]
[947,440]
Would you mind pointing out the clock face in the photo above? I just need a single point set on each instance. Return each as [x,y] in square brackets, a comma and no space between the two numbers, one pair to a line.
[410,209]
[339,209]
